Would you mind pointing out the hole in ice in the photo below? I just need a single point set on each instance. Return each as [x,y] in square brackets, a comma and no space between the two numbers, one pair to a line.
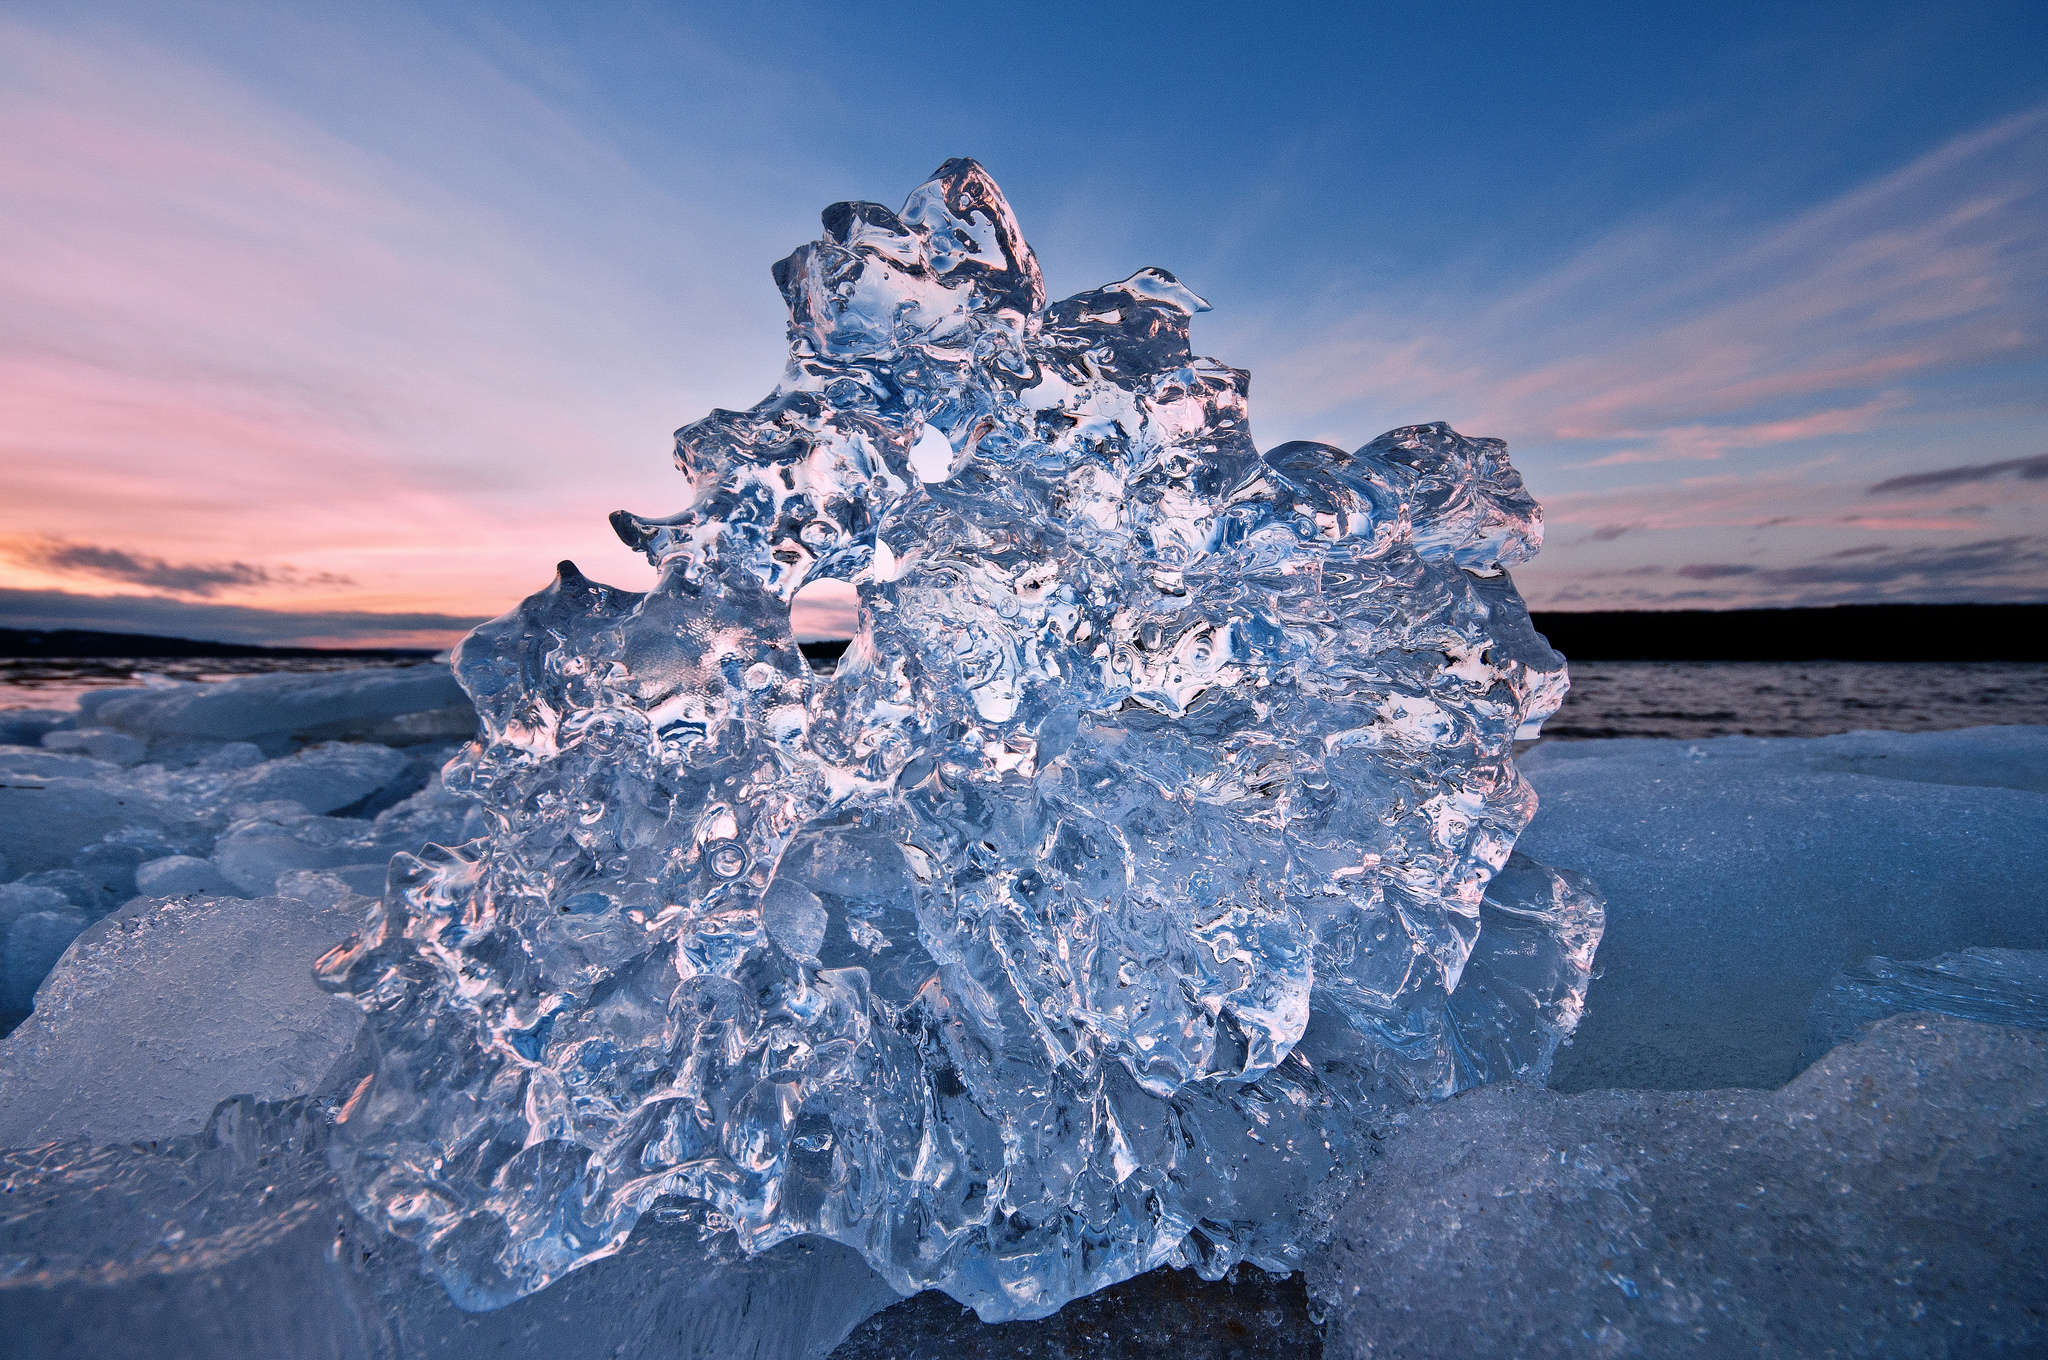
[824,609]
[931,458]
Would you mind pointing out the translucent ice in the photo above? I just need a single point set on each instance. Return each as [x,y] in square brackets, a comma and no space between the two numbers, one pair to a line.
[1742,874]
[1998,986]
[164,1009]
[181,876]
[1140,841]
[30,947]
[385,704]
[1891,1201]
[101,743]
[44,821]
[231,1243]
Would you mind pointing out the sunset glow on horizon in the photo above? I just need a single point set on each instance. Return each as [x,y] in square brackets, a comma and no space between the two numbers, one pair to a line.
[343,330]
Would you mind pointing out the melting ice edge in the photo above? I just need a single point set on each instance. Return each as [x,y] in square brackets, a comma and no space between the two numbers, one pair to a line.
[1154,833]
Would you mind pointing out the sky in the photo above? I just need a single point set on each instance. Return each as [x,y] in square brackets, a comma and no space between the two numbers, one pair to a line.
[342,324]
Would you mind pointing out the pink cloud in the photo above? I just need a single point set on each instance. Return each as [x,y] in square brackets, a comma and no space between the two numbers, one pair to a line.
[1697,443]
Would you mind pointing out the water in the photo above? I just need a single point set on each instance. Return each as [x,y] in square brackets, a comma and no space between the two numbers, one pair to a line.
[1692,699]
[1686,699]
[58,682]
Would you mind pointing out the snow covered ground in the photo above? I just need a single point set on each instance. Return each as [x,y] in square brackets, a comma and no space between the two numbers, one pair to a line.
[176,857]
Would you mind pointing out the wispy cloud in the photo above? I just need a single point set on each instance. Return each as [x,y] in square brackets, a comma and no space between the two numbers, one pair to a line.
[227,622]
[1999,569]
[1701,339]
[1944,570]
[2033,469]
[1705,443]
[1895,327]
[204,579]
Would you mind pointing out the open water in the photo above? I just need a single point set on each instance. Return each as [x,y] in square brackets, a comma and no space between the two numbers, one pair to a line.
[1692,699]
[1683,699]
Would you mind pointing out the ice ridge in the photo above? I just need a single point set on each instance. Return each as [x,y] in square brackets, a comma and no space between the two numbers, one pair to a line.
[1154,828]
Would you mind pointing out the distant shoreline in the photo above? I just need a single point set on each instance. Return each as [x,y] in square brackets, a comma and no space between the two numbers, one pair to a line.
[85,644]
[1844,632]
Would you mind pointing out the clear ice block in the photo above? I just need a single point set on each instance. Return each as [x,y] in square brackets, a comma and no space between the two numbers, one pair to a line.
[1139,844]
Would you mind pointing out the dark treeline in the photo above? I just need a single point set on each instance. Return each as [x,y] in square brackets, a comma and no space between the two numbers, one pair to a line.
[1844,632]
[1847,632]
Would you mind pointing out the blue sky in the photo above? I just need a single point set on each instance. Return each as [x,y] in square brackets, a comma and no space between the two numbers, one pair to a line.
[317,316]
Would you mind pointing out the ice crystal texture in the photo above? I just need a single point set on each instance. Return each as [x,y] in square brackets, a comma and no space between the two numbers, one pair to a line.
[1151,830]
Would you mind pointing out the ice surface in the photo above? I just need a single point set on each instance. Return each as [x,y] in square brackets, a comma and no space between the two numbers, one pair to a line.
[19,899]
[1892,1201]
[45,821]
[101,743]
[1998,986]
[33,944]
[330,777]
[1138,843]
[166,1008]
[43,763]
[182,876]
[212,817]
[372,703]
[234,1243]
[1741,874]
[272,839]
[28,726]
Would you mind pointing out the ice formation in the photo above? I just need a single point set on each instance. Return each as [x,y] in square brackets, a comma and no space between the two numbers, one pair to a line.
[1142,837]
[1741,874]
[1998,986]
[166,792]
[1890,1201]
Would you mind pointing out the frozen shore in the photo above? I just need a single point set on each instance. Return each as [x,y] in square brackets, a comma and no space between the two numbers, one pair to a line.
[176,859]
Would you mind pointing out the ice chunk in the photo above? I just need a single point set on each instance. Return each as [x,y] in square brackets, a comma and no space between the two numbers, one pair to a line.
[1893,1201]
[182,876]
[43,763]
[101,743]
[1139,843]
[27,726]
[281,838]
[109,866]
[233,1244]
[33,944]
[1741,874]
[1999,986]
[329,777]
[73,886]
[434,816]
[19,899]
[166,1008]
[44,821]
[333,704]
[36,922]
[321,888]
